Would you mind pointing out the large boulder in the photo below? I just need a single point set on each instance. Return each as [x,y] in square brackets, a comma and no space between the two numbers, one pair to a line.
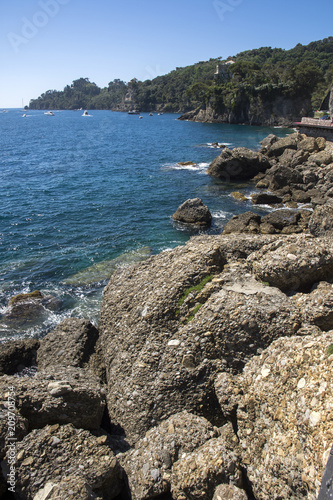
[280,176]
[277,148]
[196,475]
[58,395]
[193,212]
[238,164]
[317,307]
[149,465]
[170,324]
[284,418]
[71,343]
[265,199]
[63,462]
[16,355]
[321,221]
[294,264]
[247,222]
[285,221]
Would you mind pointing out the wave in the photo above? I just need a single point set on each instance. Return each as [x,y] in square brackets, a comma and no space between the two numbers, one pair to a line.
[193,167]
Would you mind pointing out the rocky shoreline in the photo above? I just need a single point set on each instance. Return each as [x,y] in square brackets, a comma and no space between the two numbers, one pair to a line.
[209,375]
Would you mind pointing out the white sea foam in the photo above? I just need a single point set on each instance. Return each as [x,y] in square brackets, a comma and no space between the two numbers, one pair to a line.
[220,214]
[196,167]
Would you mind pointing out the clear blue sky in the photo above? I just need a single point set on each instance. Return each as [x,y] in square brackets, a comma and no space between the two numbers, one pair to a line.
[46,44]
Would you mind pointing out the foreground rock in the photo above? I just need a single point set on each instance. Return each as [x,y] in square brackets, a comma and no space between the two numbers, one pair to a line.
[166,331]
[149,465]
[284,422]
[17,355]
[71,343]
[73,464]
[291,264]
[193,212]
[58,395]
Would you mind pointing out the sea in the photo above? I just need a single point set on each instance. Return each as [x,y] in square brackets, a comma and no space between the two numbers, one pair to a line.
[84,195]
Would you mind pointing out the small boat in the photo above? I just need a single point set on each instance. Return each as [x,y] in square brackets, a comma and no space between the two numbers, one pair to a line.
[140,117]
[150,114]
[133,112]
[23,116]
[49,113]
[85,113]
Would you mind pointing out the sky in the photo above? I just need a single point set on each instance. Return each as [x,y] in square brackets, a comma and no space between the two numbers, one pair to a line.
[46,44]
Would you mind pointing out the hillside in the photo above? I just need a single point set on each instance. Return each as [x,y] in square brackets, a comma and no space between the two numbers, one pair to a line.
[255,86]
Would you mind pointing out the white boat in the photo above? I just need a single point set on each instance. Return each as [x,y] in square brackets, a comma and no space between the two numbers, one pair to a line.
[49,113]
[23,116]
[133,112]
[85,113]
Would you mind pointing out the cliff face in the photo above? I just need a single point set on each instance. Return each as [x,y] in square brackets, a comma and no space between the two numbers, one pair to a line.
[282,111]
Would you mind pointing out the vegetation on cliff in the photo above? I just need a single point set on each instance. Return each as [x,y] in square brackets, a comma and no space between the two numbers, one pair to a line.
[254,76]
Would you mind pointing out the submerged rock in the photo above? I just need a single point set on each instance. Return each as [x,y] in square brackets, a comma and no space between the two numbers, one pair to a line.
[102,271]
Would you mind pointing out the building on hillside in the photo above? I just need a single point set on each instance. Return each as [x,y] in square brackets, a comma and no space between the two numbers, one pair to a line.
[222,72]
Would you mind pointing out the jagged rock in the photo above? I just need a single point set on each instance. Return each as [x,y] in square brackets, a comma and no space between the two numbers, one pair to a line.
[238,164]
[308,144]
[300,196]
[149,465]
[294,264]
[193,212]
[196,474]
[287,156]
[289,142]
[299,157]
[284,422]
[265,199]
[321,221]
[317,306]
[64,462]
[269,140]
[229,492]
[162,353]
[71,343]
[58,395]
[280,176]
[16,355]
[287,221]
[322,158]
[248,222]
[227,394]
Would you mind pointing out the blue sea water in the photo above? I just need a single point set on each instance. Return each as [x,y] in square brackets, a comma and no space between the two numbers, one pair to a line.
[83,195]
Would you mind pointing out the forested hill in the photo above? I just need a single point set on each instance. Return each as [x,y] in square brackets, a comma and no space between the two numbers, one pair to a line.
[304,73]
